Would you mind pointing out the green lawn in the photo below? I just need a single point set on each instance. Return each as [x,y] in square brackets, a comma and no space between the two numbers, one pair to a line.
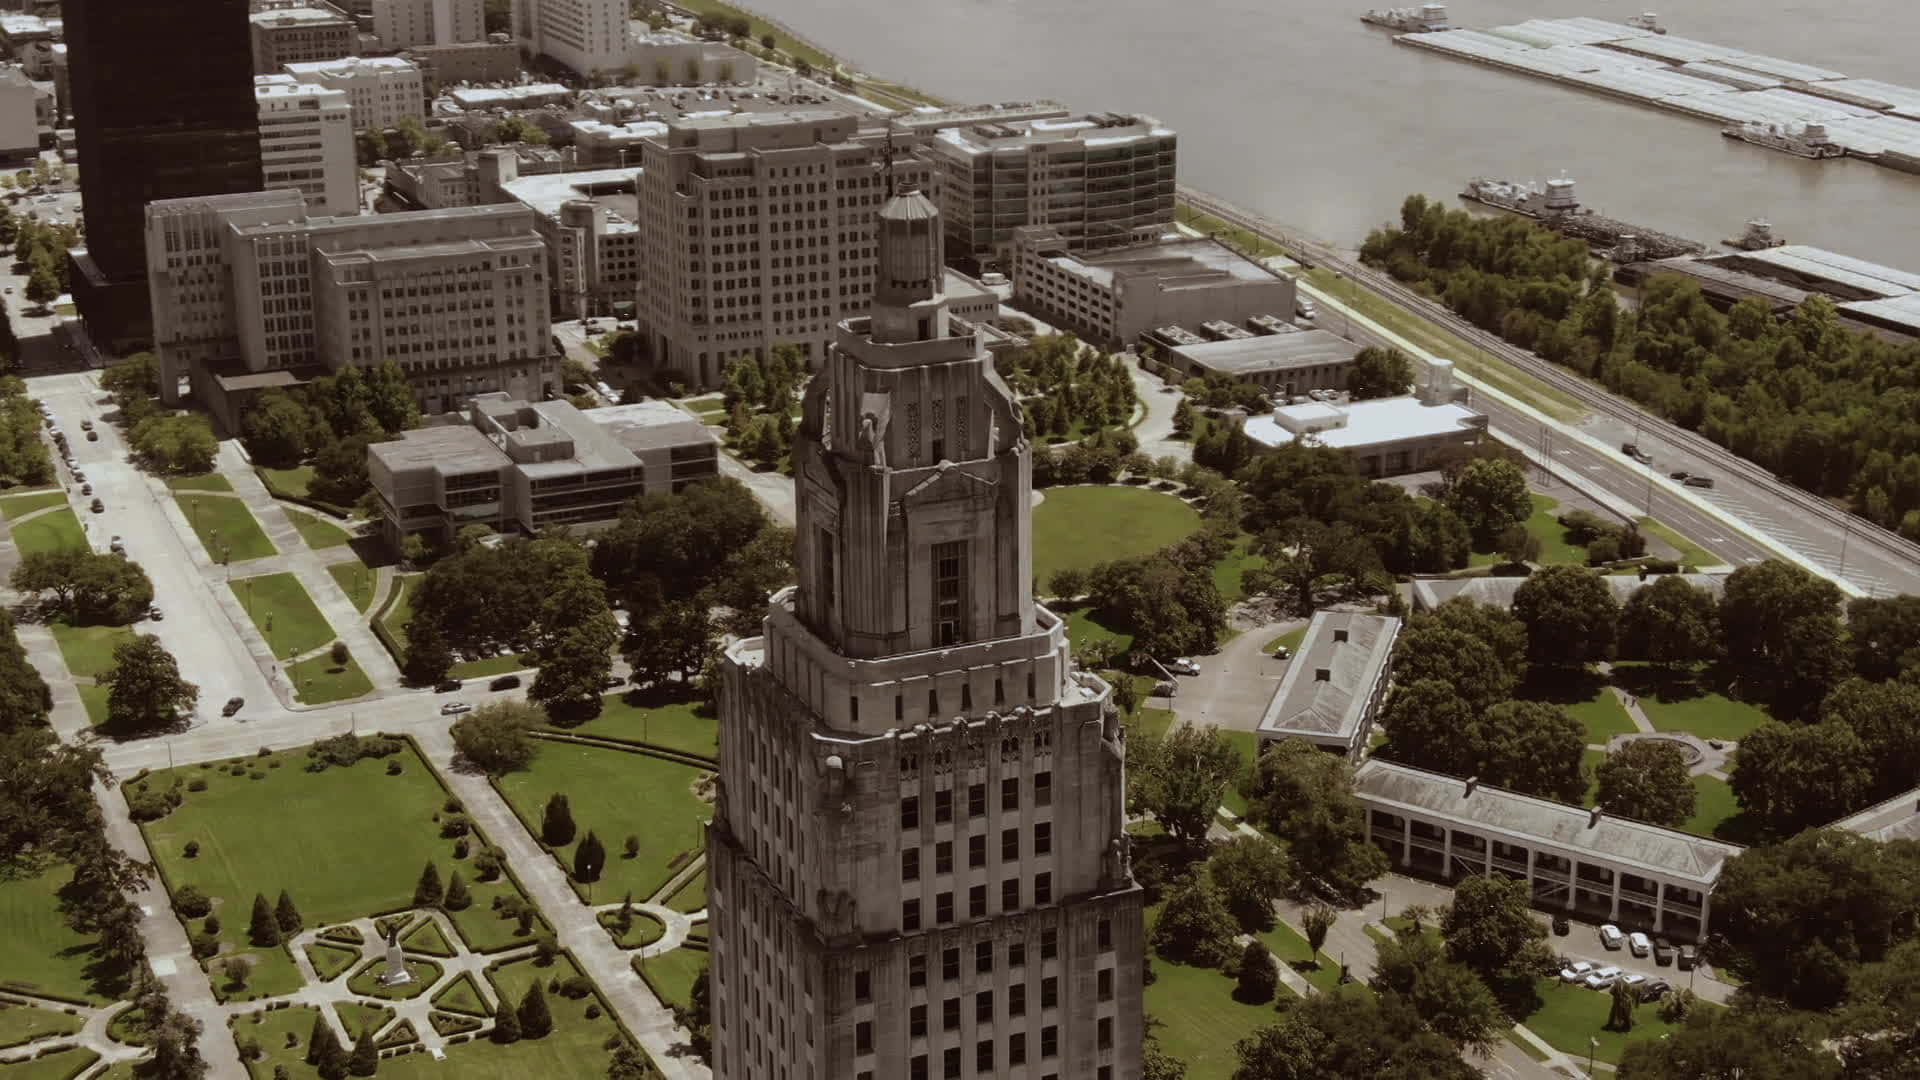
[1554,547]
[57,530]
[14,506]
[356,846]
[645,929]
[1590,760]
[1603,716]
[615,794]
[1573,1014]
[1290,948]
[94,697]
[89,649]
[1079,527]
[357,580]
[21,1023]
[38,951]
[271,1030]
[1229,572]
[1082,628]
[271,973]
[400,613]
[676,725]
[1199,1019]
[1683,700]
[1713,805]
[1291,639]
[427,938]
[284,613]
[330,958]
[576,1046]
[461,996]
[691,896]
[64,1065]
[211,481]
[1691,554]
[225,527]
[492,665]
[317,532]
[319,680]
[1247,745]
[356,1017]
[671,974]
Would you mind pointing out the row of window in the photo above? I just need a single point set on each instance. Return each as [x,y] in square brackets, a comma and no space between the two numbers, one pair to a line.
[910,912]
[976,851]
[977,800]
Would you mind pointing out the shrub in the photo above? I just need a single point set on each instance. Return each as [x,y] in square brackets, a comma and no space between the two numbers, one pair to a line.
[263,752]
[188,900]
[212,925]
[198,783]
[192,849]
[205,945]
[340,653]
[593,1012]
[148,806]
[454,824]
[486,866]
[460,848]
[393,768]
[577,987]
[452,805]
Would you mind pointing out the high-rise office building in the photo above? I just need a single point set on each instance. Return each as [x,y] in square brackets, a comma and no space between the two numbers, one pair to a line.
[401,24]
[918,860]
[593,37]
[306,142]
[757,231]
[163,108]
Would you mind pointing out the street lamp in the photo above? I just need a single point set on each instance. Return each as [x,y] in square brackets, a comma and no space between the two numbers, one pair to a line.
[1592,1045]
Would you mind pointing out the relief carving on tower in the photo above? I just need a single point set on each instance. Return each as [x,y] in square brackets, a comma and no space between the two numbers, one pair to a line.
[839,914]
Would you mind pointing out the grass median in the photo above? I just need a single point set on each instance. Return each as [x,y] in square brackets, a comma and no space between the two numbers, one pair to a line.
[56,530]
[225,527]
[285,615]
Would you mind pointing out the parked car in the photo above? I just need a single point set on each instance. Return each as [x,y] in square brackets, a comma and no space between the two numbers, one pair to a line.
[612,681]
[1281,652]
[446,685]
[1656,990]
[156,614]
[86,489]
[117,548]
[1164,689]
[1602,979]
[1636,453]
[1686,959]
[86,425]
[455,708]
[97,506]
[1561,926]
[1634,978]
[232,706]
[1638,944]
[1678,474]
[1576,971]
[504,682]
[93,436]
[1184,665]
[1699,481]
[80,476]
[1662,951]
[1611,937]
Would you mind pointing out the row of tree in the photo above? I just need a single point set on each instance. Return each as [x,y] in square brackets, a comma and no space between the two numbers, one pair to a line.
[1065,385]
[330,422]
[759,393]
[24,458]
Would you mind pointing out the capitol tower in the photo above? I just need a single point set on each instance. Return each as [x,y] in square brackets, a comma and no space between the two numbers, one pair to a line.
[918,869]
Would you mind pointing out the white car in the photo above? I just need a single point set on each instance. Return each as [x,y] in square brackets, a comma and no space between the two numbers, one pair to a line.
[1576,971]
[455,708]
[1185,665]
[1602,979]
[1634,979]
[1638,943]
[1611,937]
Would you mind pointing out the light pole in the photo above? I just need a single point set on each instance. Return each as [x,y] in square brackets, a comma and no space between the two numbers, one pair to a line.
[1592,1045]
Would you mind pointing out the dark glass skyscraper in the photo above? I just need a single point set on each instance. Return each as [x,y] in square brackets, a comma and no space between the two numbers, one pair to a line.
[163,108]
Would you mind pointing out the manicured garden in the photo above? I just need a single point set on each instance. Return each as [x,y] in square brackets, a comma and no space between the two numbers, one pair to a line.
[357,580]
[672,973]
[318,680]
[211,481]
[94,697]
[57,530]
[295,484]
[1570,1015]
[317,532]
[285,615]
[225,527]
[1082,526]
[615,795]
[641,716]
[691,896]
[64,1065]
[575,1047]
[1686,699]
[23,1023]
[1714,810]
[38,952]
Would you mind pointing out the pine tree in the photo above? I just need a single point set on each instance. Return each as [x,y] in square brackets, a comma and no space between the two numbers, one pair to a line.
[536,1021]
[1257,977]
[262,930]
[556,827]
[332,1062]
[589,858]
[506,1024]
[365,1059]
[317,1038]
[457,898]
[428,892]
[624,920]
[286,915]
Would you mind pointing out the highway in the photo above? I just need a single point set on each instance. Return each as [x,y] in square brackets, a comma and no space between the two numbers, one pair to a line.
[1864,558]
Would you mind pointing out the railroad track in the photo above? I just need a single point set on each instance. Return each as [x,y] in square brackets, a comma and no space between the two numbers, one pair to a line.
[1595,398]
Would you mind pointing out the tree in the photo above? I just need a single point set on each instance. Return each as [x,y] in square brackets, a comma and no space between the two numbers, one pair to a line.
[1884,634]
[1377,373]
[279,431]
[1301,554]
[144,689]
[365,1059]
[43,282]
[1256,978]
[1171,609]
[1250,871]
[286,916]
[589,859]
[1722,1044]
[178,443]
[429,658]
[1424,720]
[1490,928]
[1669,621]
[668,640]
[1067,583]
[1489,495]
[494,737]
[1569,613]
[1467,665]
[46,802]
[1781,625]
[1348,1035]
[1306,795]
[1504,636]
[506,1023]
[1799,776]
[1180,778]
[1183,419]
[236,971]
[1316,921]
[317,1037]
[574,670]
[1447,995]
[428,893]
[1194,926]
[1647,780]
[1533,747]
[88,588]
[173,1035]
[627,1063]
[262,930]
[1519,545]
[556,823]
[1886,717]
[340,471]
[536,1022]
[457,898]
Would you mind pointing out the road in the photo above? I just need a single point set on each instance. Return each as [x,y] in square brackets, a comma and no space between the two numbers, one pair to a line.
[1864,558]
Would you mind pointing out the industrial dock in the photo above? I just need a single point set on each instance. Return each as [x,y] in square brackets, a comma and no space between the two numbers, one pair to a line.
[1558,208]
[1743,91]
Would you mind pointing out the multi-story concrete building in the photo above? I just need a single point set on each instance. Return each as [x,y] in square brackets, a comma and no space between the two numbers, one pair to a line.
[1334,683]
[383,90]
[318,31]
[306,142]
[589,36]
[667,57]
[163,108]
[757,231]
[587,220]
[520,466]
[457,298]
[601,145]
[403,24]
[1117,295]
[918,864]
[1102,180]
[19,115]
[465,62]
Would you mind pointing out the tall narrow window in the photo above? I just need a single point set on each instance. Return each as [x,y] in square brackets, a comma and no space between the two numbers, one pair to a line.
[825,547]
[949,561]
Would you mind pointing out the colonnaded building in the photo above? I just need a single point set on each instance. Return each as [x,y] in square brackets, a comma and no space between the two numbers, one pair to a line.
[918,860]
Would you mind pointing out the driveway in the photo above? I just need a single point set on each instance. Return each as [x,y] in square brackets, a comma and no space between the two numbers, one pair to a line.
[1235,684]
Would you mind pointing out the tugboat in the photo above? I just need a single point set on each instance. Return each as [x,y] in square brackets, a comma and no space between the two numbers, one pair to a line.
[1648,21]
[1758,237]
[1425,19]
[1810,141]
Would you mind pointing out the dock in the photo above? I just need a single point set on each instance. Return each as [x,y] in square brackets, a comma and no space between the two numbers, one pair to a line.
[1871,120]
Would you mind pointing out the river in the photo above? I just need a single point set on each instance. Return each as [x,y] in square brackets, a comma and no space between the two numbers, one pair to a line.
[1300,112]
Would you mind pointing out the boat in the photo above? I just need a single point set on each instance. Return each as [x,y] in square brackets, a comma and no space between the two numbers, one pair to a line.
[1425,19]
[1811,141]
[1758,237]
[1647,21]
[1526,199]
[1555,205]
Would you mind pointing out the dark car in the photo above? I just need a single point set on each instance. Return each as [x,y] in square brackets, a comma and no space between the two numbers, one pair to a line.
[1699,481]
[446,686]
[232,706]
[1662,951]
[98,506]
[1687,956]
[1561,926]
[1655,990]
[93,436]
[505,682]
[1678,474]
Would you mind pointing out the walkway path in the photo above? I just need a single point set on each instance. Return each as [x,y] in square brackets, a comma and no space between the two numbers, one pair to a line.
[92,1034]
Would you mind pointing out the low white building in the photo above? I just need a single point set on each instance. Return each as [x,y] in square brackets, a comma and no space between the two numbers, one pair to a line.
[521,96]
[668,57]
[383,90]
[599,145]
[1385,436]
[306,142]
[1334,683]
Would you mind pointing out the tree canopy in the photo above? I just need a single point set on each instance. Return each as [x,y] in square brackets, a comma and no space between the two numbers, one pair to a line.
[144,689]
[1306,795]
[1180,778]
[1670,621]
[1491,930]
[1328,1035]
[1569,613]
[1647,780]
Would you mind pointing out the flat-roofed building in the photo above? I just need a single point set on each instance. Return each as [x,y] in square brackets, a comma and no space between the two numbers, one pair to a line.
[1286,364]
[668,57]
[928,119]
[1575,859]
[1114,297]
[598,144]
[757,231]
[316,31]
[306,142]
[19,115]
[523,96]
[383,90]
[403,24]
[1100,180]
[589,36]
[588,221]
[1385,436]
[465,62]
[1897,818]
[519,466]
[1334,683]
